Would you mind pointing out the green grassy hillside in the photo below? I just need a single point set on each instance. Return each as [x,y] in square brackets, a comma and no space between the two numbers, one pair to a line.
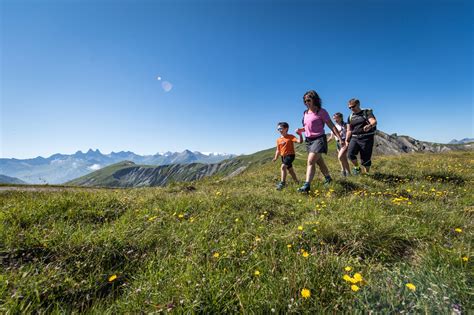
[397,240]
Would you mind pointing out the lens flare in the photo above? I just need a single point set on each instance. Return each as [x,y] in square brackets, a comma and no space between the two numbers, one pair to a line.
[167,86]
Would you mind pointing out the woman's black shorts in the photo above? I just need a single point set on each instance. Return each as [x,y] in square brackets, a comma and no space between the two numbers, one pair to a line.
[288,160]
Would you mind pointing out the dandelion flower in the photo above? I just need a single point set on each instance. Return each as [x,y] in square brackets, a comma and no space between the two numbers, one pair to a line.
[411,286]
[305,254]
[181,216]
[458,230]
[465,258]
[354,288]
[300,228]
[305,293]
[357,277]
[257,273]
[288,246]
[112,278]
[216,255]
[348,268]
[347,278]
[237,220]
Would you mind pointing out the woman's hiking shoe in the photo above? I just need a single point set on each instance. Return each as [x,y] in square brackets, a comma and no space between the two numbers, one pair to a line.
[280,186]
[356,170]
[305,188]
[327,180]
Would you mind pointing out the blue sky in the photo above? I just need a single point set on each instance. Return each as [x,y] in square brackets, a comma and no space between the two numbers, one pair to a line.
[83,74]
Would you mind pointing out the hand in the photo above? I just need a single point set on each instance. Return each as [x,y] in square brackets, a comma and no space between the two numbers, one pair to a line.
[367,128]
[299,131]
[347,143]
[274,159]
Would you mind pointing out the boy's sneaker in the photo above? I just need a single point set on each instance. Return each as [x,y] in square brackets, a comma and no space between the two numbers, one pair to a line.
[327,180]
[305,188]
[356,170]
[280,186]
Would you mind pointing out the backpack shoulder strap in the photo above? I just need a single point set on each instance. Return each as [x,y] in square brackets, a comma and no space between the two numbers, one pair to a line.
[302,119]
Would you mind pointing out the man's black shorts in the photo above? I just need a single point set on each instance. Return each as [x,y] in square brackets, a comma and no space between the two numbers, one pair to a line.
[364,145]
[288,160]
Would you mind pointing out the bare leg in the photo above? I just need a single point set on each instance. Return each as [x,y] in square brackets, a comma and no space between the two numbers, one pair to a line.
[342,155]
[322,166]
[293,174]
[312,158]
[283,172]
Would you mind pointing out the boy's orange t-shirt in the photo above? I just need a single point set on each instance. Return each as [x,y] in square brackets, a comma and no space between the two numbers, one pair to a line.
[285,145]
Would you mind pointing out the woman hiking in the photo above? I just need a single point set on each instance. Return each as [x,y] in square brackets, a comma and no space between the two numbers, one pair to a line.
[314,119]
[341,148]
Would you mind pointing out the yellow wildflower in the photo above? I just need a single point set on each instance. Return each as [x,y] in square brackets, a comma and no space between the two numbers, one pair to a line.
[181,216]
[216,255]
[347,278]
[112,278]
[257,273]
[458,230]
[465,258]
[300,228]
[305,293]
[288,246]
[354,288]
[348,268]
[237,220]
[411,286]
[305,254]
[357,277]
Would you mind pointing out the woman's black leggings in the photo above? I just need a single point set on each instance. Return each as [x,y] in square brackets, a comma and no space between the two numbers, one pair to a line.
[364,145]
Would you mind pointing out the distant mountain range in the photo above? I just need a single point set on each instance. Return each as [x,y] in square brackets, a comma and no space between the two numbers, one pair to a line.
[10,180]
[462,141]
[60,168]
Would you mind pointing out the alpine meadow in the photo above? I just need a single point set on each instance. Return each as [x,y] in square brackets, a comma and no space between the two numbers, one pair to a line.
[396,240]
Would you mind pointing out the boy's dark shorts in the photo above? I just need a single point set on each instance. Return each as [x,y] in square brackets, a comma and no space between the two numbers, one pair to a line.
[288,160]
[317,145]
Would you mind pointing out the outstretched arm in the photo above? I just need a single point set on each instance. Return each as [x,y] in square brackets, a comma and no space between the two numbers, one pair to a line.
[348,134]
[277,153]
[334,130]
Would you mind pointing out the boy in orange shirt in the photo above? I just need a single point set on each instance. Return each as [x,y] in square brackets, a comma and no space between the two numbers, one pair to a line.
[286,150]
